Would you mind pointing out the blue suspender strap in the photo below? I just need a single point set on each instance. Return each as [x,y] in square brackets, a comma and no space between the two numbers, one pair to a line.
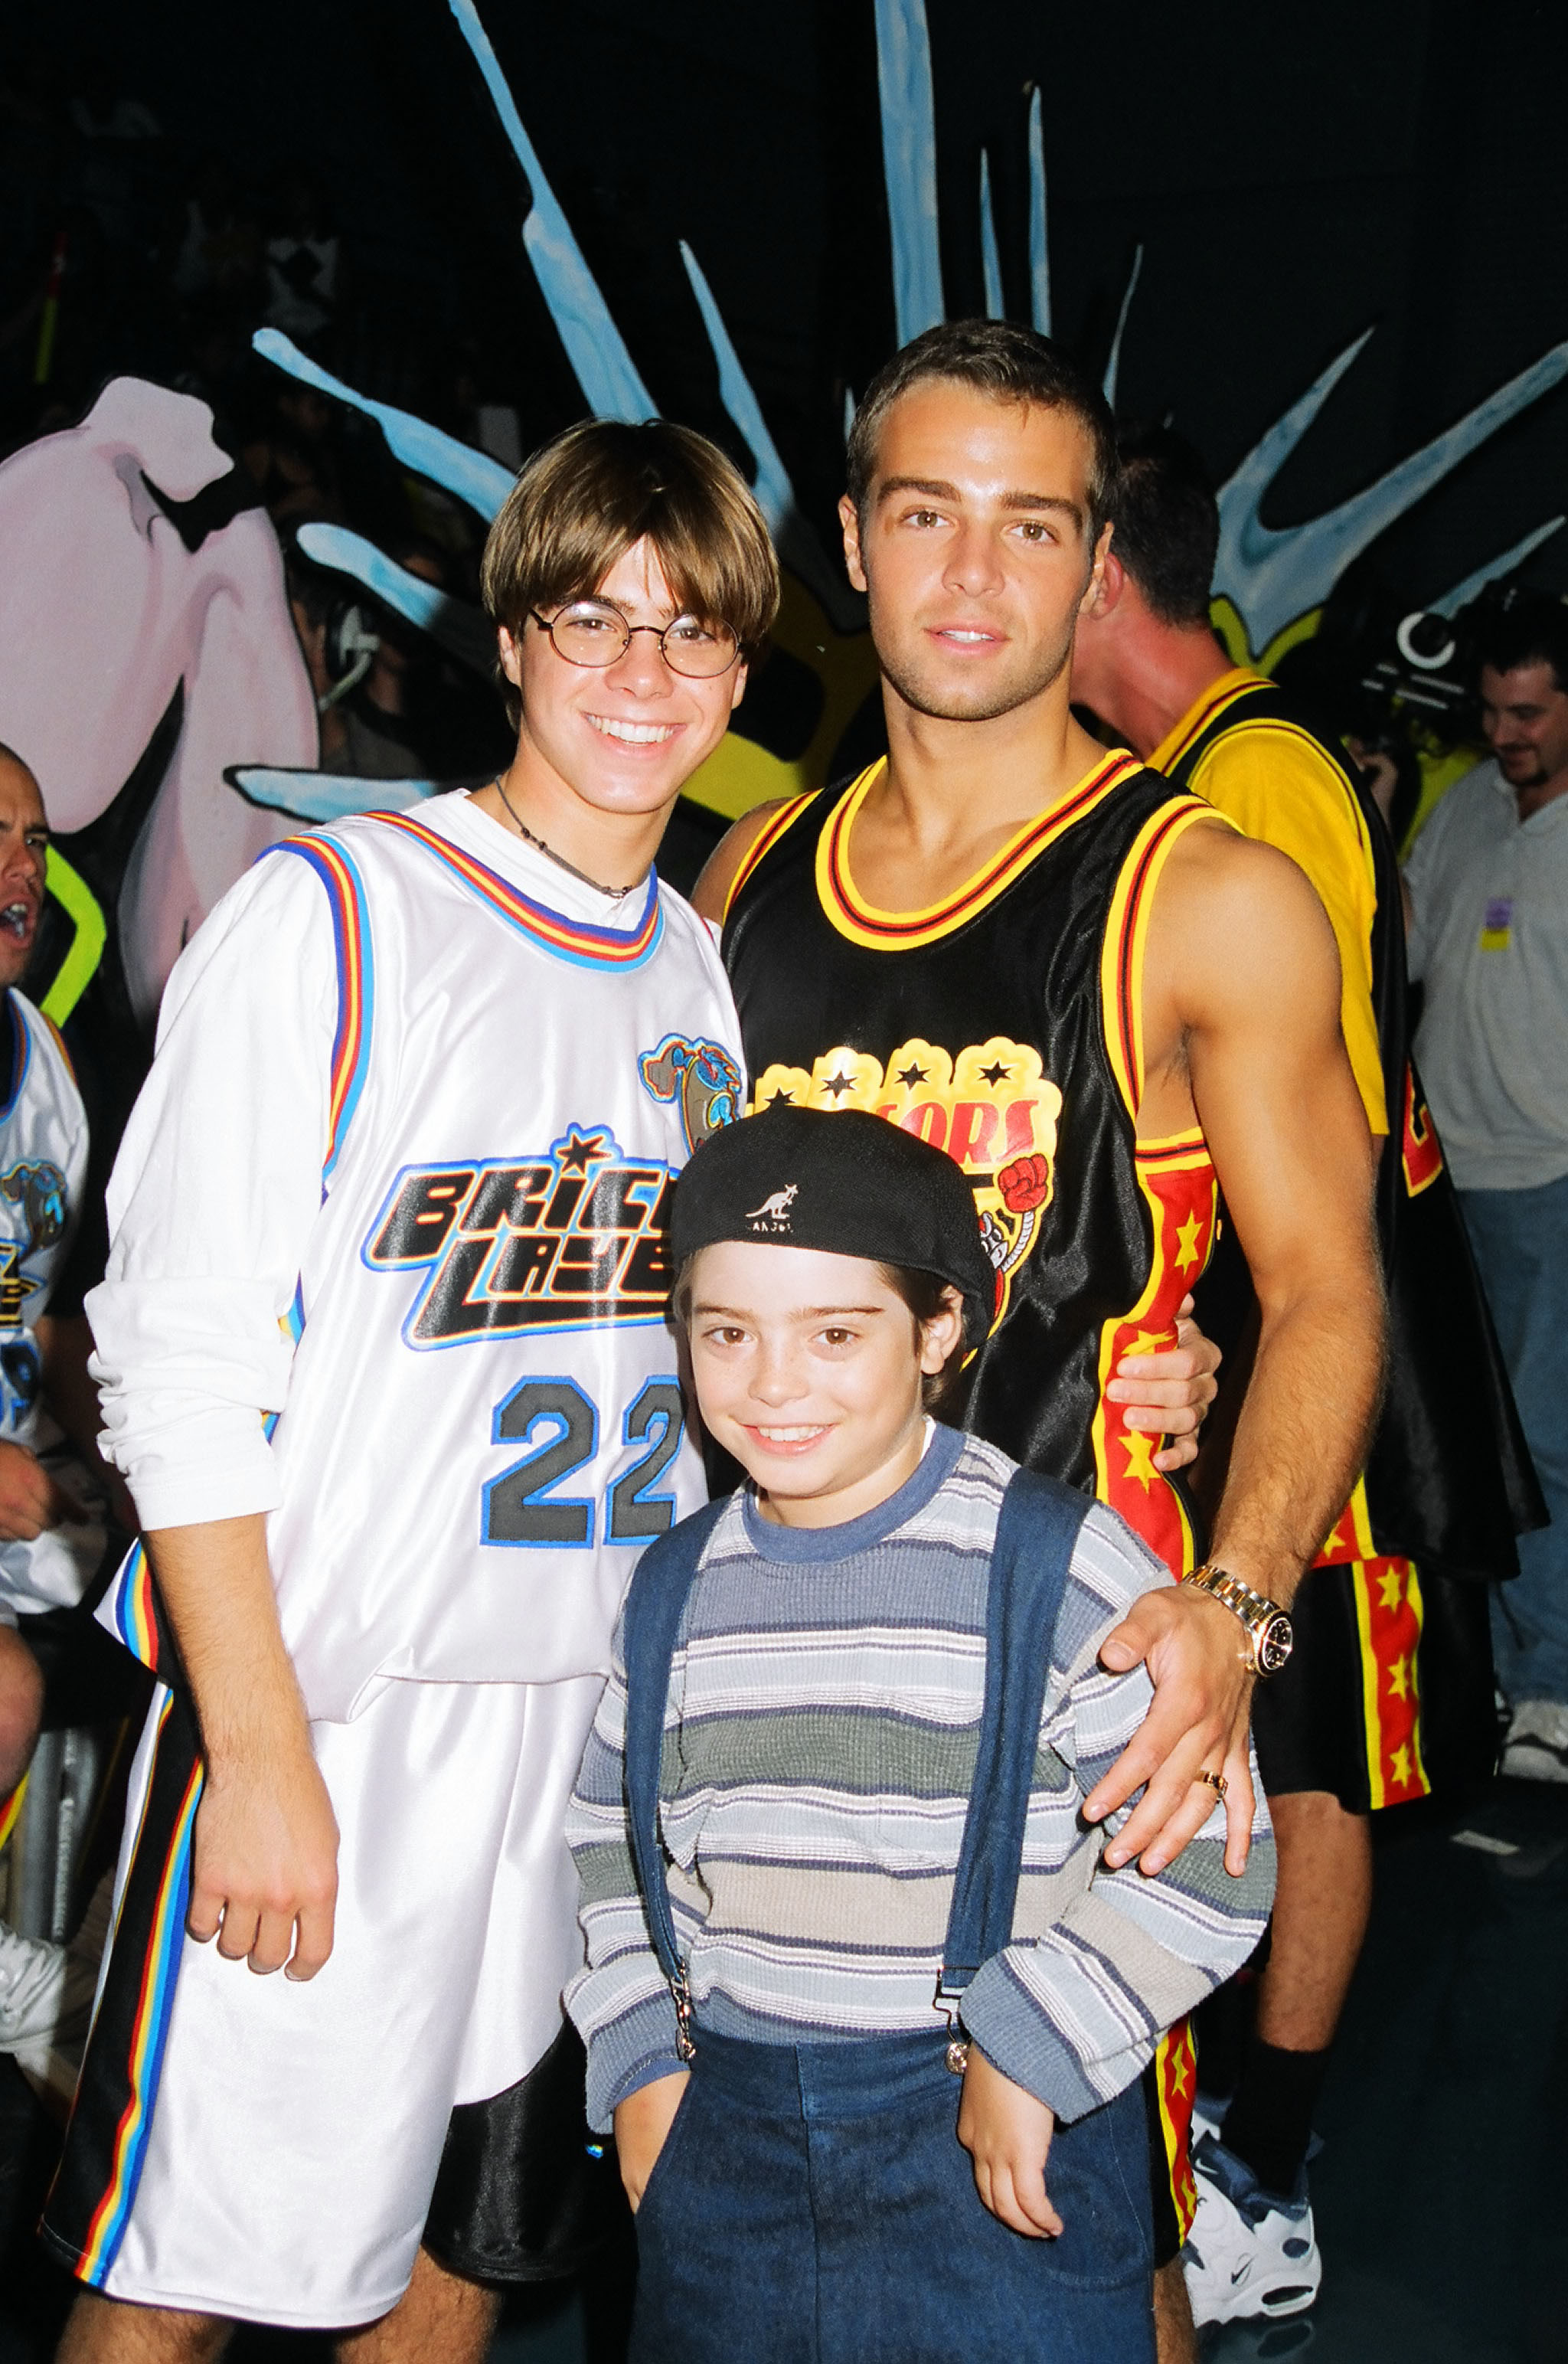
[1035,1535]
[654,1607]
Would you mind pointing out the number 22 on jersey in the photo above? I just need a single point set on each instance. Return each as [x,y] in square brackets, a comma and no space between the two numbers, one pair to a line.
[522,1509]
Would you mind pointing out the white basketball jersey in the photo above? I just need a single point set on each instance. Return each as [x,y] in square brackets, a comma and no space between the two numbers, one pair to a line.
[43,1160]
[482,1422]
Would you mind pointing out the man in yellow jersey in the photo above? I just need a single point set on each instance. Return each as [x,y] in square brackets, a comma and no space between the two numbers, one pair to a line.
[1096,995]
[1346,1729]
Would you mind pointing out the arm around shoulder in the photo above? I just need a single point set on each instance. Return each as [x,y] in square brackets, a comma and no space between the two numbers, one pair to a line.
[711,895]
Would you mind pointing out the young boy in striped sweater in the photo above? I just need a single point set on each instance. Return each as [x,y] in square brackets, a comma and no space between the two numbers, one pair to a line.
[827,1824]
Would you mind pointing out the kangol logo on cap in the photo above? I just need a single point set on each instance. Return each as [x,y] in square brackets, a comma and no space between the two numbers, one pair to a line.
[773,1215]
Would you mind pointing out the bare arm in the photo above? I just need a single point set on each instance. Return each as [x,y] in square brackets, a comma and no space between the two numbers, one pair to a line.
[1243,1026]
[264,1878]
[711,893]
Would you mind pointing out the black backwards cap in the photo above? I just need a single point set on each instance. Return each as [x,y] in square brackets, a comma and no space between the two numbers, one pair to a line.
[844,1181]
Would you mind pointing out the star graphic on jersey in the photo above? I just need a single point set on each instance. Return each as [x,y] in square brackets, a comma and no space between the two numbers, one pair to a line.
[1139,1447]
[1389,1589]
[1180,2074]
[911,1074]
[838,1084]
[581,1151]
[1399,1679]
[1399,1774]
[782,1098]
[995,1073]
[1187,1239]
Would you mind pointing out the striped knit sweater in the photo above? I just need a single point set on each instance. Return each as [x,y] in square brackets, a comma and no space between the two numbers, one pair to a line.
[821,1737]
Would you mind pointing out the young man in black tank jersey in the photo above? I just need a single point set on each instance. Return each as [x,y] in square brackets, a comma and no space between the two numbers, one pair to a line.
[1103,1000]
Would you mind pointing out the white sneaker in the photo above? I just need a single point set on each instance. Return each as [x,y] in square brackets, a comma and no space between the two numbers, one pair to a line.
[45,1994]
[1536,1745]
[1248,2253]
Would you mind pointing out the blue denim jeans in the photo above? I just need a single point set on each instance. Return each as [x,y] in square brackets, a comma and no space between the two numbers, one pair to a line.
[812,2206]
[1520,1239]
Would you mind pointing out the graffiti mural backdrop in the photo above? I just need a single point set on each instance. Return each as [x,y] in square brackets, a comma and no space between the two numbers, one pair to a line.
[190,740]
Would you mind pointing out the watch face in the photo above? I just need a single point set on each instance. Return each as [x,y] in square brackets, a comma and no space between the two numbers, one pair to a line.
[1274,1643]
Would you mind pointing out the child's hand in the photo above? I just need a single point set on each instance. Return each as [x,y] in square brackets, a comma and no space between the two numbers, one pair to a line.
[642,2125]
[1007,2135]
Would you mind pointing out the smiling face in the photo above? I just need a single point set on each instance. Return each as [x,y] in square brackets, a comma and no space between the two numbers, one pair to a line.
[975,548]
[625,738]
[1525,716]
[807,1369]
[24,840]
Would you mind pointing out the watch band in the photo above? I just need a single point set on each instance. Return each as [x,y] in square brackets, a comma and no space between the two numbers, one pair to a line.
[1266,1625]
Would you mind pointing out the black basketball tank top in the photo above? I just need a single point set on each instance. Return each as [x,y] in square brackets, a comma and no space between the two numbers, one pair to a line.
[1449,1478]
[1004,1025]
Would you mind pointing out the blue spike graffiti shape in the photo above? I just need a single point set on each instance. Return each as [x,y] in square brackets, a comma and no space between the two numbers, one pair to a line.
[1271,576]
[473,475]
[1494,569]
[776,494]
[459,629]
[991,262]
[909,165]
[1113,363]
[1039,251]
[595,346]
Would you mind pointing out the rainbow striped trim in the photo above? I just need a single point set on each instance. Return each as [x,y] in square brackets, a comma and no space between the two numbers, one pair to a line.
[11,1809]
[131,1609]
[356,981]
[569,940]
[149,2034]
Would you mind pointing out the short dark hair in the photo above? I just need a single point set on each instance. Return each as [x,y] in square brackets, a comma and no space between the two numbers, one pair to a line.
[1530,628]
[998,358]
[1167,522]
[596,490]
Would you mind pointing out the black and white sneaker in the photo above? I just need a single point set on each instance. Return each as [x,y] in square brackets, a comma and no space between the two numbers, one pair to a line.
[1250,2252]
[1536,1745]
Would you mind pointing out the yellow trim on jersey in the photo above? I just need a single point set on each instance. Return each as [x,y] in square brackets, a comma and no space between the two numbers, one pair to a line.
[767,837]
[1202,712]
[1276,782]
[848,911]
[1126,934]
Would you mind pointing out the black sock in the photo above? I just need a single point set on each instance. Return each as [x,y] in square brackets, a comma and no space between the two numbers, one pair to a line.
[1222,2024]
[1269,2124]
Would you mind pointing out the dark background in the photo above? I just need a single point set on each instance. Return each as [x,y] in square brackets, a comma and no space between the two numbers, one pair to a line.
[1295,175]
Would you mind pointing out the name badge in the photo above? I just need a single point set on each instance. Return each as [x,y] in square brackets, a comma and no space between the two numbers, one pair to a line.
[1496,926]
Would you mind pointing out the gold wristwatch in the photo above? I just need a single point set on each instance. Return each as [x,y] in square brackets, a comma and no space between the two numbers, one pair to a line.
[1270,1635]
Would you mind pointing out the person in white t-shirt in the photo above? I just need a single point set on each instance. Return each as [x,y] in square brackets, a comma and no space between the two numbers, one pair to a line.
[385,1363]
[1488,887]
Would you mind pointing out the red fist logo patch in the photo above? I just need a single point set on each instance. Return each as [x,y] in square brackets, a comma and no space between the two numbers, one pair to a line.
[1025,1184]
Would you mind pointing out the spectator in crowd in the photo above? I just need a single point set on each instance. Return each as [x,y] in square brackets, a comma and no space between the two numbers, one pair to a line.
[290,455]
[1488,887]
[217,247]
[56,1509]
[303,263]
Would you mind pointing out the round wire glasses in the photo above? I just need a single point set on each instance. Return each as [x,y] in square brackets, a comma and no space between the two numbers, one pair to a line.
[591,632]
